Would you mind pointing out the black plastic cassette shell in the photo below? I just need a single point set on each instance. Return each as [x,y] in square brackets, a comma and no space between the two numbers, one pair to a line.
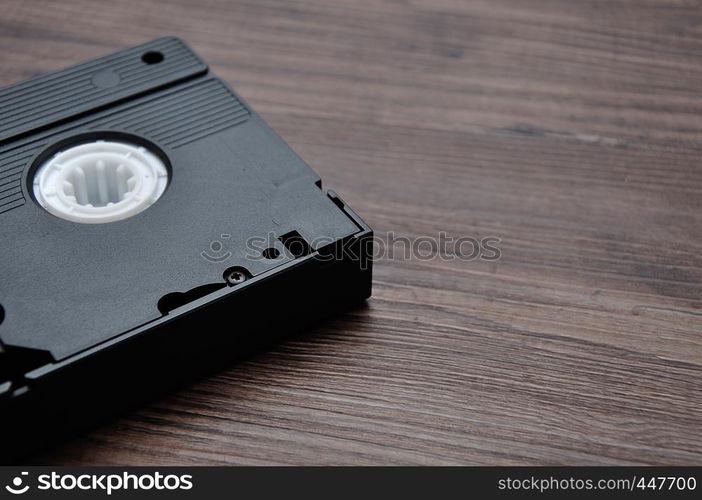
[76,293]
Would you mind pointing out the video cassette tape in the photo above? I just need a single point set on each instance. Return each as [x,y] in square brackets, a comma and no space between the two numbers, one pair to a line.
[153,226]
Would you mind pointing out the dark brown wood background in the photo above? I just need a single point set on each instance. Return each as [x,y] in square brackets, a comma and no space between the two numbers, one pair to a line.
[572,131]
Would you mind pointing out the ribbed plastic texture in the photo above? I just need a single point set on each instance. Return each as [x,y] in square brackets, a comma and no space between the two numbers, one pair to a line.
[48,99]
[132,91]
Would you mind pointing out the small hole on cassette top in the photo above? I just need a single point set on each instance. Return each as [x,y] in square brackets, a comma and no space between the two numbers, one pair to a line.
[152,57]
[2,314]
[295,244]
[271,253]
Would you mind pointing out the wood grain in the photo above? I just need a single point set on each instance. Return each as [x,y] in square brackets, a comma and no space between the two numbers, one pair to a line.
[572,131]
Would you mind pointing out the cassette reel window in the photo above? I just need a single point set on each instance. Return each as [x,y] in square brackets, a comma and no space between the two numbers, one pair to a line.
[100,181]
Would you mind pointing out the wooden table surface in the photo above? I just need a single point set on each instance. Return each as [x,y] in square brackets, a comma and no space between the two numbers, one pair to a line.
[571,131]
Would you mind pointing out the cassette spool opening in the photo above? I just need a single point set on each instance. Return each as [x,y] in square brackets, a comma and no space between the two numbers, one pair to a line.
[100,181]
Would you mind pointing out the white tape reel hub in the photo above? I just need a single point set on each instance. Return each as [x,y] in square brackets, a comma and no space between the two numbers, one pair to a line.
[100,181]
